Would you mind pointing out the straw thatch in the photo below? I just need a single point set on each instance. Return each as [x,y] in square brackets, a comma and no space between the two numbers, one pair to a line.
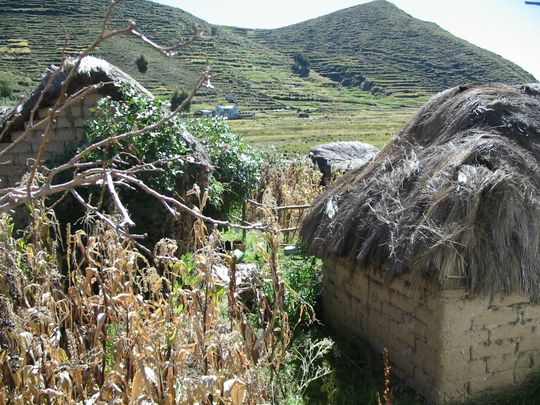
[91,71]
[340,157]
[455,195]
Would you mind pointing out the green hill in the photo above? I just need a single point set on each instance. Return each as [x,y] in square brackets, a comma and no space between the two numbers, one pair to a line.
[383,56]
[32,35]
[382,49]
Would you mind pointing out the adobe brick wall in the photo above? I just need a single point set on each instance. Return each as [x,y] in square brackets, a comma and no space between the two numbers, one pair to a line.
[443,343]
[68,130]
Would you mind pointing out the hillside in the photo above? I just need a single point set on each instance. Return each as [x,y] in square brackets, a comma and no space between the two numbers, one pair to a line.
[260,78]
[384,52]
[382,49]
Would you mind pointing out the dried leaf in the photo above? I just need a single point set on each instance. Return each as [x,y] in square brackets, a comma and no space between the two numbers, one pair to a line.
[235,390]
[138,385]
[59,355]
[100,321]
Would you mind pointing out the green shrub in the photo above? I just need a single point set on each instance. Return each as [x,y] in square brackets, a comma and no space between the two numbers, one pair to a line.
[6,88]
[178,98]
[302,277]
[237,164]
[142,64]
[132,113]
[301,65]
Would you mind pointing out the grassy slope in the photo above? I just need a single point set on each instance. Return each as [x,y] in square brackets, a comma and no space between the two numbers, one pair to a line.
[259,77]
[253,67]
[377,44]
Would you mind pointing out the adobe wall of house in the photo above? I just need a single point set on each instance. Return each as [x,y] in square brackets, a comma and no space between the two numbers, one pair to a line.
[67,132]
[443,343]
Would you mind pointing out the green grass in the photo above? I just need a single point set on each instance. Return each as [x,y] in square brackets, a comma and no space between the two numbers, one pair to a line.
[290,134]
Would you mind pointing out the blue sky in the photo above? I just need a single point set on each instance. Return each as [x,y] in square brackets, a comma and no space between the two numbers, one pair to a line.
[507,27]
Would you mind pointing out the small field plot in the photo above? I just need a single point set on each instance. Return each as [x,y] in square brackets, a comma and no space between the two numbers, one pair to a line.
[291,134]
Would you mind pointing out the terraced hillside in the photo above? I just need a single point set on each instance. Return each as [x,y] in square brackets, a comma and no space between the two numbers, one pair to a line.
[383,56]
[32,37]
[382,49]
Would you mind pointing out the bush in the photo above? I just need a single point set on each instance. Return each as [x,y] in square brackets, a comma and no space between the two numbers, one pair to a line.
[6,88]
[301,65]
[178,98]
[136,112]
[237,164]
[142,64]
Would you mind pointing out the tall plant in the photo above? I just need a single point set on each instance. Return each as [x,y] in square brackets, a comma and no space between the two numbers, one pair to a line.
[237,164]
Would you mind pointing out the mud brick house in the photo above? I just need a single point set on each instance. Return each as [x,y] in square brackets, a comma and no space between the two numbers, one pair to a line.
[433,249]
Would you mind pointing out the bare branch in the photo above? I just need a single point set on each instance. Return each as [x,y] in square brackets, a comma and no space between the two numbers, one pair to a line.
[172,202]
[110,223]
[126,220]
[171,50]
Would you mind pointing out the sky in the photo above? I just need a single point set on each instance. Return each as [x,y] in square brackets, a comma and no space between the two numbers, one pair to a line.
[509,28]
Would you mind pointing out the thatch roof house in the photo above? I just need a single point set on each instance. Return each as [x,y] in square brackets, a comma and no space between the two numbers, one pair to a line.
[433,249]
[69,127]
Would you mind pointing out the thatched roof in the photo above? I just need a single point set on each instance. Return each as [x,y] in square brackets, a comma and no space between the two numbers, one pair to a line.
[341,157]
[454,196]
[91,71]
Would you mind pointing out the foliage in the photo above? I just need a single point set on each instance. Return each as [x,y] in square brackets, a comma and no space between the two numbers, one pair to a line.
[237,164]
[356,374]
[11,86]
[293,182]
[113,328]
[214,31]
[142,64]
[302,278]
[178,98]
[301,64]
[163,144]
[301,60]
[6,90]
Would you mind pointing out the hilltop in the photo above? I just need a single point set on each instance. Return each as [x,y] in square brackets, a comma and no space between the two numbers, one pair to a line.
[382,49]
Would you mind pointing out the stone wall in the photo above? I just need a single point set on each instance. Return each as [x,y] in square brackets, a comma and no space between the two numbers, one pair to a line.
[445,344]
[67,132]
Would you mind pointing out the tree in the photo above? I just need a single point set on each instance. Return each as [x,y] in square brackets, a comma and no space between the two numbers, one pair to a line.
[178,98]
[6,90]
[214,31]
[142,64]
[301,64]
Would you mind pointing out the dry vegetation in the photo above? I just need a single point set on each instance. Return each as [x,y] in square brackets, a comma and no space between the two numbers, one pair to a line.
[113,326]
[91,314]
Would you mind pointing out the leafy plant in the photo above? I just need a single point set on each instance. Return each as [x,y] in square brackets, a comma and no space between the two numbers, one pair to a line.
[301,64]
[178,98]
[237,164]
[142,64]
[135,111]
[6,89]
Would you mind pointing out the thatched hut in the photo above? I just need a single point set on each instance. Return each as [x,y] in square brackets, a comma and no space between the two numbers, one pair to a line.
[69,129]
[433,249]
[69,126]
